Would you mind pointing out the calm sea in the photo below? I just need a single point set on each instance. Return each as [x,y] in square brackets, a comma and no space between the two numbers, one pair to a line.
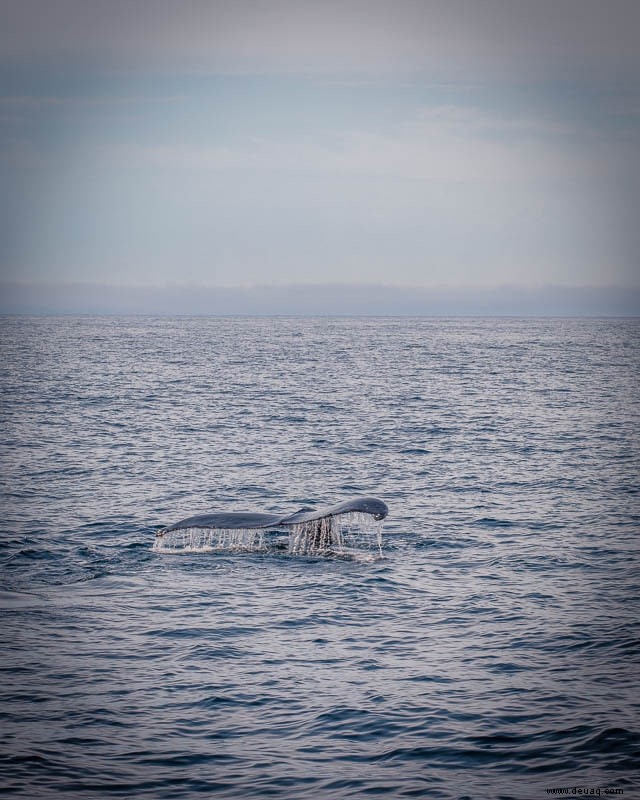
[493,652]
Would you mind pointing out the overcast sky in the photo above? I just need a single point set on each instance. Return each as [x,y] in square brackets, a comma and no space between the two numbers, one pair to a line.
[459,143]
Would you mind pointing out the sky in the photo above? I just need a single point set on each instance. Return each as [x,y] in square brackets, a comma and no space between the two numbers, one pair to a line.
[458,144]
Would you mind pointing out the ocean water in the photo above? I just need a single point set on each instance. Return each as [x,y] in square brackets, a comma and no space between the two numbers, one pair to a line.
[491,652]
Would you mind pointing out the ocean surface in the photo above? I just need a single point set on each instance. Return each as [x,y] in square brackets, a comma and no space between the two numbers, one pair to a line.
[493,651]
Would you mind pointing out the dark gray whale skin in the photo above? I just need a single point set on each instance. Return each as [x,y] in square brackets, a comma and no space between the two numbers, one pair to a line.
[240,519]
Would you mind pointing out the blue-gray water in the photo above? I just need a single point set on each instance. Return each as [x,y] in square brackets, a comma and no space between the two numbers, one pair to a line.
[492,652]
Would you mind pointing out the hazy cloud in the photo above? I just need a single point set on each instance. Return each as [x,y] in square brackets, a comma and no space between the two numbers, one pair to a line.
[322,300]
[456,37]
[447,143]
[468,142]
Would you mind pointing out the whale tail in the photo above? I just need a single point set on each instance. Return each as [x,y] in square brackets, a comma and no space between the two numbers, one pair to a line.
[352,525]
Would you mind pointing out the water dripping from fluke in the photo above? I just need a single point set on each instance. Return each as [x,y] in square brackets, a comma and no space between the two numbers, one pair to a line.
[350,528]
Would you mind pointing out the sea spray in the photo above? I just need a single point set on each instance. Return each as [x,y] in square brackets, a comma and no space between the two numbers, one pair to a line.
[202,540]
[315,537]
[343,533]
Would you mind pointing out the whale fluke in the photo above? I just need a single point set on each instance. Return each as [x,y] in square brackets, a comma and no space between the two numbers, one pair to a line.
[359,505]
[230,520]
[310,530]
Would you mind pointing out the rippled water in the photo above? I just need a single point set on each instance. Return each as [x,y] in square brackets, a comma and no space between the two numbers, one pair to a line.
[492,651]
